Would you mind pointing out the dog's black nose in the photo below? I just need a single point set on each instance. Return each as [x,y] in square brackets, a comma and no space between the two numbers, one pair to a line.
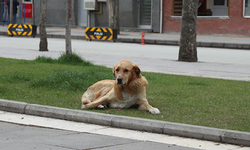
[119,80]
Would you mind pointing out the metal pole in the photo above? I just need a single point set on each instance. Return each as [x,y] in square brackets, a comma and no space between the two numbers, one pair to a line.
[11,11]
[2,12]
[161,15]
[88,18]
[33,12]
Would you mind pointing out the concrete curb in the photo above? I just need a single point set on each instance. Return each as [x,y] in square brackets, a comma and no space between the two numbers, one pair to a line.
[156,41]
[12,106]
[163,127]
[166,42]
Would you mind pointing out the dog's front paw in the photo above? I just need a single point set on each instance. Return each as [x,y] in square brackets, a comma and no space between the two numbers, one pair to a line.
[101,106]
[154,111]
[87,106]
[83,107]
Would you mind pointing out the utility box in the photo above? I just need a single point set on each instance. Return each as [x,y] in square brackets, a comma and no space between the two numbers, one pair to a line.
[27,8]
[90,4]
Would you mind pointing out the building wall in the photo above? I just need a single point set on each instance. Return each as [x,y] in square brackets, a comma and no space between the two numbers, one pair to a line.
[156,10]
[56,13]
[81,15]
[128,14]
[233,24]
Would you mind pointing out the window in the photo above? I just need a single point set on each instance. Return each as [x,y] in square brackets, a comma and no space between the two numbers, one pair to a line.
[219,2]
[246,8]
[177,8]
[27,1]
[219,7]
[206,7]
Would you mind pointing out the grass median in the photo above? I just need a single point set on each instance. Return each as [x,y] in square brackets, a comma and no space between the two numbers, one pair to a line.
[192,100]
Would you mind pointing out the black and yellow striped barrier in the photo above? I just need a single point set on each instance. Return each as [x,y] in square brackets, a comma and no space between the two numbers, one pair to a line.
[22,30]
[100,33]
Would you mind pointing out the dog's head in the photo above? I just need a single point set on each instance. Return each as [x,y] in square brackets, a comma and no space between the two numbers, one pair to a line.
[125,71]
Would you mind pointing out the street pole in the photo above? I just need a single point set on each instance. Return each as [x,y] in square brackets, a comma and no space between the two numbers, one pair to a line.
[11,12]
[33,12]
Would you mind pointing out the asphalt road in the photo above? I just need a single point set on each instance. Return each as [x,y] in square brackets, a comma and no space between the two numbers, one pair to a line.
[213,62]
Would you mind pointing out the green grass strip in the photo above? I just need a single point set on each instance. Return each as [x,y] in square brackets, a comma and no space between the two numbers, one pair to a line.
[192,100]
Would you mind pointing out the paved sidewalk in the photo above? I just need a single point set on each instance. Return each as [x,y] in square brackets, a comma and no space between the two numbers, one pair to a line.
[216,41]
[96,132]
[154,126]
[21,137]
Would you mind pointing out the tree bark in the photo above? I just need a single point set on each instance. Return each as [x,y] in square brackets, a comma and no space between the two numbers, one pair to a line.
[113,9]
[68,27]
[43,46]
[188,46]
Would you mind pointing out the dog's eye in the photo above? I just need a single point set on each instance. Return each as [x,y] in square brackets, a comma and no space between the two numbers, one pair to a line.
[117,70]
[126,70]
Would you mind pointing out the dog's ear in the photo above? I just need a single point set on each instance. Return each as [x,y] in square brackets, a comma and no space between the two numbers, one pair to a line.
[137,70]
[114,71]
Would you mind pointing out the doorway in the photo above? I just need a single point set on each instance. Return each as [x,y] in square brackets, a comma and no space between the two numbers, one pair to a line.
[220,7]
[145,14]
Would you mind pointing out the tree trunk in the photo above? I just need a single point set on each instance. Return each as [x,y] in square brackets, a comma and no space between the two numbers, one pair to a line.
[188,46]
[43,46]
[11,12]
[68,27]
[113,9]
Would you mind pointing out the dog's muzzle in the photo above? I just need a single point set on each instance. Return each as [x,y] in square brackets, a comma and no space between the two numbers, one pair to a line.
[119,80]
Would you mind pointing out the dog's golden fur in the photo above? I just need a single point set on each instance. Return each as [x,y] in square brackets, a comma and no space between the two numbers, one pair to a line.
[127,90]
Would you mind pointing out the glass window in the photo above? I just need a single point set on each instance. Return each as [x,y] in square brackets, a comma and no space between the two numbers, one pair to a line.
[145,12]
[205,7]
[27,1]
[247,8]
[219,2]
[177,8]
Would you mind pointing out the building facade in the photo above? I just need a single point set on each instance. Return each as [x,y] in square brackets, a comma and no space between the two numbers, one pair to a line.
[133,14]
[214,16]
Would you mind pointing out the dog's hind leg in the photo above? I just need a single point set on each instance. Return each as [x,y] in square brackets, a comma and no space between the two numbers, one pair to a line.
[102,101]
[85,102]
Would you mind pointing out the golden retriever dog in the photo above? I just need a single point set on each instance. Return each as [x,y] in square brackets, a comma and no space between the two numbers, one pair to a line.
[127,90]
